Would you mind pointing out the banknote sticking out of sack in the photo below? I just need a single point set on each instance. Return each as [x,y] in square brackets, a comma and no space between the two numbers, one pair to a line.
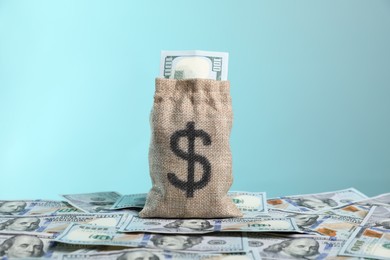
[189,157]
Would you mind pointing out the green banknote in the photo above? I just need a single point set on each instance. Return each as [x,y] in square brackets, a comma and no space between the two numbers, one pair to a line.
[269,246]
[378,218]
[57,223]
[369,243]
[316,202]
[35,207]
[250,203]
[101,235]
[151,254]
[93,202]
[201,226]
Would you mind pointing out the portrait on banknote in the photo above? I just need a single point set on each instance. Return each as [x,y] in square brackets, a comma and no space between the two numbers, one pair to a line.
[11,207]
[190,224]
[296,248]
[20,224]
[304,220]
[137,255]
[22,246]
[175,242]
[315,203]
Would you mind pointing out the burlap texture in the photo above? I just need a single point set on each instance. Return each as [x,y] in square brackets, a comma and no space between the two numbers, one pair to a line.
[191,121]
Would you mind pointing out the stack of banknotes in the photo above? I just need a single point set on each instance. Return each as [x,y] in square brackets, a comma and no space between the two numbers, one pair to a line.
[343,224]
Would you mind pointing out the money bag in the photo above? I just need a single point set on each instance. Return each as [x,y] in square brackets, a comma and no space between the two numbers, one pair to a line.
[190,161]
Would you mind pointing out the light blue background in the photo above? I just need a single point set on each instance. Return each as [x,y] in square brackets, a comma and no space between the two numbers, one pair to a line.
[310,87]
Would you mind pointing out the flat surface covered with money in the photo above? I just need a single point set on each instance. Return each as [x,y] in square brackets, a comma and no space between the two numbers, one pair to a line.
[355,227]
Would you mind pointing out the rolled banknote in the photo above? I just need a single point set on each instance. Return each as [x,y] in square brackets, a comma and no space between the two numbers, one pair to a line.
[101,235]
[201,226]
[194,64]
[93,202]
[378,218]
[140,253]
[35,207]
[294,246]
[316,202]
[368,243]
[57,223]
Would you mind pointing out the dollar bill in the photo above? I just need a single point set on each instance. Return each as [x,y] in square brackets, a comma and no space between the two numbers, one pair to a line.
[201,226]
[317,202]
[319,223]
[351,210]
[294,246]
[35,207]
[335,226]
[24,246]
[250,203]
[33,246]
[101,235]
[380,200]
[134,254]
[302,219]
[130,201]
[368,243]
[378,218]
[57,223]
[93,202]
[194,64]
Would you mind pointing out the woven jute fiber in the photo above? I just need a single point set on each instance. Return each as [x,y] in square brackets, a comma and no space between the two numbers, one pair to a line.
[190,160]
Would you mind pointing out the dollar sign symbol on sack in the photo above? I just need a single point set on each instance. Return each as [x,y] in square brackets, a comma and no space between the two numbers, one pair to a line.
[190,185]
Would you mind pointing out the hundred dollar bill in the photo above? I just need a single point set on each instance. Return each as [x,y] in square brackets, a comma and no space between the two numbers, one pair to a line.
[368,243]
[33,246]
[201,226]
[139,253]
[194,64]
[319,223]
[352,210]
[23,246]
[316,202]
[130,201]
[93,202]
[35,207]
[302,219]
[101,235]
[335,226]
[294,246]
[57,223]
[378,218]
[249,203]
[380,200]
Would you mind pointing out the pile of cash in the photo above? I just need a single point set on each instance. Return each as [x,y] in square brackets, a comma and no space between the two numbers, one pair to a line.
[343,224]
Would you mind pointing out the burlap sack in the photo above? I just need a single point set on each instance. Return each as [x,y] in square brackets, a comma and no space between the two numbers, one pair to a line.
[189,157]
